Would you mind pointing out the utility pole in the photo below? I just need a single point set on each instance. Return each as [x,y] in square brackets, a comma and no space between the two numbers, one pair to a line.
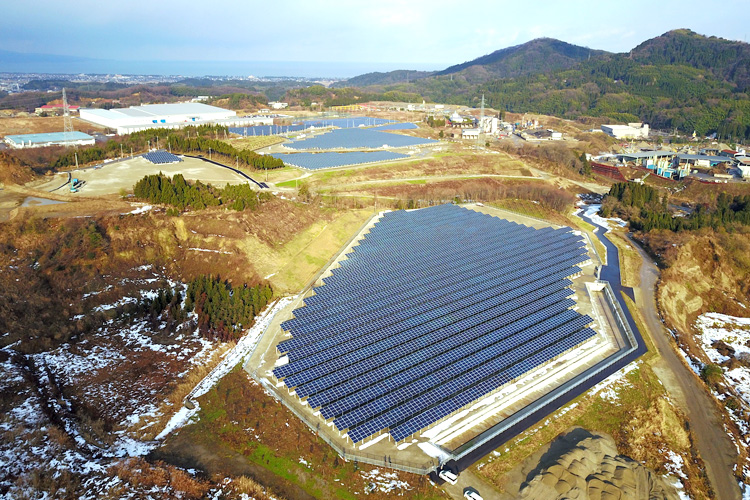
[121,155]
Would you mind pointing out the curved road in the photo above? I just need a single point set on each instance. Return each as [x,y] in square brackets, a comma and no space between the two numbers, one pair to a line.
[714,445]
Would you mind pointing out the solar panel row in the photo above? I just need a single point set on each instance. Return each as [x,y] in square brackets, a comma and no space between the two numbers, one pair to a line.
[161,157]
[314,161]
[357,138]
[397,126]
[430,306]
[356,121]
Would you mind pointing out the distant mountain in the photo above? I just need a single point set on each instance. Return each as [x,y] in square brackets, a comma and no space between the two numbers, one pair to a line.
[389,78]
[727,60]
[541,55]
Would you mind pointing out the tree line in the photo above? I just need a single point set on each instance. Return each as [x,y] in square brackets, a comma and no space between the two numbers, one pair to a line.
[177,192]
[652,211]
[223,312]
[185,140]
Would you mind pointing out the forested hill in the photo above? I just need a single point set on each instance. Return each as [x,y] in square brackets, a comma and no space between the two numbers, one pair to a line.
[389,78]
[541,55]
[727,60]
[667,82]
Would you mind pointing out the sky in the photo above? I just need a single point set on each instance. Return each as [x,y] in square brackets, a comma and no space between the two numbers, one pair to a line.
[346,35]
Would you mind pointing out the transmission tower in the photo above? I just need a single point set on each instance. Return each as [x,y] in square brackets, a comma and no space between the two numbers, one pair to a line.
[67,121]
[480,135]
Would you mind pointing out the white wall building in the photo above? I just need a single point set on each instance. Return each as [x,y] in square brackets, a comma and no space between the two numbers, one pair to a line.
[490,125]
[629,131]
[135,118]
[470,133]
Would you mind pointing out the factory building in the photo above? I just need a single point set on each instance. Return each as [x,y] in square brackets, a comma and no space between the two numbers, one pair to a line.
[50,139]
[629,131]
[135,118]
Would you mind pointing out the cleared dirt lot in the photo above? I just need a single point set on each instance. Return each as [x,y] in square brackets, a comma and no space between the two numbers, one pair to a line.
[32,124]
[113,177]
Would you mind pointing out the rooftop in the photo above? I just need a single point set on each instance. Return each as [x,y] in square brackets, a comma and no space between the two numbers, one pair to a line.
[647,154]
[49,137]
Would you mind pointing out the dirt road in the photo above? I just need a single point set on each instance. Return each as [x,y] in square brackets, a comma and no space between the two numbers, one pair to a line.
[714,445]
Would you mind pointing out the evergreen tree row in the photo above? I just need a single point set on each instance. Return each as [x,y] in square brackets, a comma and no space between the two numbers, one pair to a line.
[202,139]
[176,191]
[654,214]
[223,312]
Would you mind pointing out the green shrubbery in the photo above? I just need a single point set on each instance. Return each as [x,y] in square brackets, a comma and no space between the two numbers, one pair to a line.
[653,213]
[176,191]
[223,311]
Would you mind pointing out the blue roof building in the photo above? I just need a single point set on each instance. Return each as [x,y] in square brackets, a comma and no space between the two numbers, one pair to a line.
[49,139]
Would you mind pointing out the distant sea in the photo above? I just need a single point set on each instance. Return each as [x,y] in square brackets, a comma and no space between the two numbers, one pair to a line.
[305,69]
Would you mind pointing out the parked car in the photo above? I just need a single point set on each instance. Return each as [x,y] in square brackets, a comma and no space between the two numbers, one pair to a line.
[472,494]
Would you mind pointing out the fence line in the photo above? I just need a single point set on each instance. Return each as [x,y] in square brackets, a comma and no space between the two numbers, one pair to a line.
[352,454]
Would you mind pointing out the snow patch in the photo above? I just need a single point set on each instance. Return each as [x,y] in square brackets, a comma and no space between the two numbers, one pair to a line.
[140,210]
[433,451]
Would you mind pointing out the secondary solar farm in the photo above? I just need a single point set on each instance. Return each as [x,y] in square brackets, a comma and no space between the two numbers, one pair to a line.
[349,122]
[430,312]
[162,158]
[357,138]
[315,161]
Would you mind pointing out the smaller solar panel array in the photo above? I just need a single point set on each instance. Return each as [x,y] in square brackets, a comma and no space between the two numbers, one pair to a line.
[351,122]
[356,138]
[396,126]
[162,157]
[434,309]
[314,161]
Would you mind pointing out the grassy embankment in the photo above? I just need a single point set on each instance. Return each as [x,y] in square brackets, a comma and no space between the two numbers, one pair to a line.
[243,430]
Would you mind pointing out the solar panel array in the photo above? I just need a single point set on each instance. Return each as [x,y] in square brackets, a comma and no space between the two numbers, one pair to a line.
[314,161]
[357,138]
[397,126]
[434,309]
[161,157]
[351,122]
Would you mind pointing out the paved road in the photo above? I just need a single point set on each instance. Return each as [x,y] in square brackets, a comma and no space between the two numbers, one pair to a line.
[714,445]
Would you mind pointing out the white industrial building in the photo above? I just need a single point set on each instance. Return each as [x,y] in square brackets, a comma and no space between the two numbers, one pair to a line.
[629,131]
[135,118]
[490,125]
[470,133]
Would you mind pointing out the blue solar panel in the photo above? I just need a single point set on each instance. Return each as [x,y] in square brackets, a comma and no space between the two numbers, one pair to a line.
[161,157]
[397,126]
[433,309]
[314,161]
[351,122]
[357,138]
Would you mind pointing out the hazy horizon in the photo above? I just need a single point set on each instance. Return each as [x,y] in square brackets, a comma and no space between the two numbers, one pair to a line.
[346,38]
[291,69]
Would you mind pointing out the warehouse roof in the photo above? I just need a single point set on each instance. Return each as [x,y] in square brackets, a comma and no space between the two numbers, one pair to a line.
[717,159]
[49,137]
[647,154]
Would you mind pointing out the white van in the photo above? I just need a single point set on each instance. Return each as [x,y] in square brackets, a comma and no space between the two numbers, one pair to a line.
[448,476]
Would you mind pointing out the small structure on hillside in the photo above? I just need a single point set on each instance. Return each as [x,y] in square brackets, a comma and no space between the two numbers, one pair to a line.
[629,131]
